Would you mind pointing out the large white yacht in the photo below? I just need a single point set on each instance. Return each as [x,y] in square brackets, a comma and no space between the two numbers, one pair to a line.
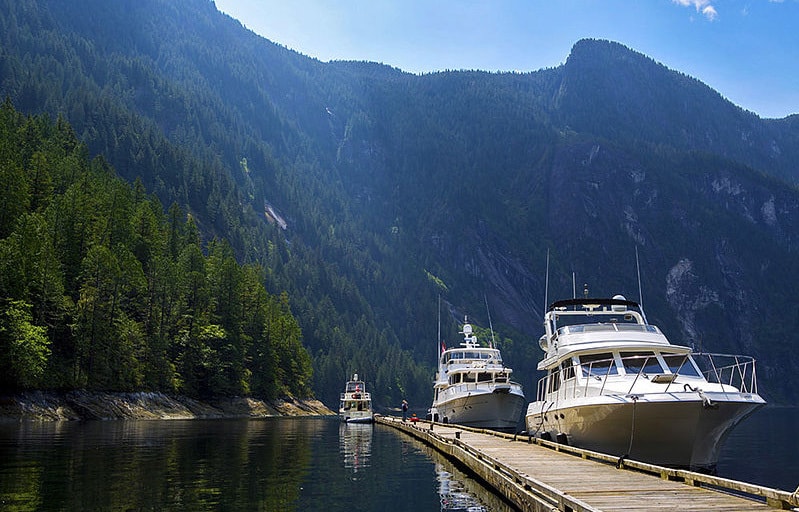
[616,385]
[473,387]
[356,404]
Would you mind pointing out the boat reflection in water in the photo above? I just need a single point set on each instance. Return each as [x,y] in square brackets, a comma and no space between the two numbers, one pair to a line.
[355,444]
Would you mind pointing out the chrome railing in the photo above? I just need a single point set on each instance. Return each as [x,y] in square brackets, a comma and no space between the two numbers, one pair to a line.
[591,378]
[736,371]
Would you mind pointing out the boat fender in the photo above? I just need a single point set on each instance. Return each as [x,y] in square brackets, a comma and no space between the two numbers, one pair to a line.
[561,438]
[546,436]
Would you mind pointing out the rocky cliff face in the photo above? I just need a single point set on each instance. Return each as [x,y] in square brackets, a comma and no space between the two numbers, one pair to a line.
[88,405]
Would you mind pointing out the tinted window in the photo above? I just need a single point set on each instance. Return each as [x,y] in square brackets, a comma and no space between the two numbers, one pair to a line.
[681,365]
[598,364]
[643,362]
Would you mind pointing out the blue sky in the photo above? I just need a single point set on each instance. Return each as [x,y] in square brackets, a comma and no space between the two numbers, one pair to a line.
[747,50]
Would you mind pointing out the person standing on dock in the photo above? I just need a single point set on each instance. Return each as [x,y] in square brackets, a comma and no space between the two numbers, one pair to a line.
[404,409]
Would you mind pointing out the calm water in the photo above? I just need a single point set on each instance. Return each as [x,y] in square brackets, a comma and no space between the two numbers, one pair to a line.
[301,464]
[764,449]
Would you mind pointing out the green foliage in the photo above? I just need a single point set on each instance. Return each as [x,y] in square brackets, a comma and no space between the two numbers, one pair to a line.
[101,289]
[24,347]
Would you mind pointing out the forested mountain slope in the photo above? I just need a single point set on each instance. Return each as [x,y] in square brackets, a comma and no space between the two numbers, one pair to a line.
[100,288]
[397,188]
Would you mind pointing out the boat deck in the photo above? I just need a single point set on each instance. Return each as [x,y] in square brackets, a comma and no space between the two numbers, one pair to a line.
[538,475]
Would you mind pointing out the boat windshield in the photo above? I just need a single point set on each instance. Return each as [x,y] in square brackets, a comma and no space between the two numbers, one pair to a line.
[581,318]
[641,362]
[598,365]
[355,387]
[681,364]
[474,355]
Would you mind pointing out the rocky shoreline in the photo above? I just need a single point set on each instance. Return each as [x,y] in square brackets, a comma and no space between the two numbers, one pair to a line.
[99,405]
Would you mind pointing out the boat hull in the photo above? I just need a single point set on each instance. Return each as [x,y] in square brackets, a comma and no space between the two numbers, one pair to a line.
[359,414]
[357,419]
[501,410]
[685,432]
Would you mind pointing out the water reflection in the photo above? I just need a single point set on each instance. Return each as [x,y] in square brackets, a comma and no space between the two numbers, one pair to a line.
[272,464]
[355,443]
[455,496]
[124,465]
[457,490]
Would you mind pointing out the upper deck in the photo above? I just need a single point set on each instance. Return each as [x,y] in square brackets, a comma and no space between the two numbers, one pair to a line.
[589,324]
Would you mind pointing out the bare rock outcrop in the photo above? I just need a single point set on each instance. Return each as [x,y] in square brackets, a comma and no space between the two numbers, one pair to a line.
[100,405]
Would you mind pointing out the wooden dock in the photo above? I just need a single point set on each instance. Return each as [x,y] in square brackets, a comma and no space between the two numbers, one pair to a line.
[537,475]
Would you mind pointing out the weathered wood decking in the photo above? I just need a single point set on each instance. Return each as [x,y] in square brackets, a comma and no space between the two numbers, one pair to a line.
[537,475]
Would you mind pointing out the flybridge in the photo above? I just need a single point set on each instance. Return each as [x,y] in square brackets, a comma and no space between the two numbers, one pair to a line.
[588,303]
[571,312]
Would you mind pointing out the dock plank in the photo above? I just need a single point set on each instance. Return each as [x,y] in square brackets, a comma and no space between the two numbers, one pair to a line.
[546,473]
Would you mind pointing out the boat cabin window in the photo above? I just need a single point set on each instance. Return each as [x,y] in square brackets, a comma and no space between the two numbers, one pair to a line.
[484,377]
[553,381]
[598,365]
[681,364]
[641,362]
[349,406]
[567,370]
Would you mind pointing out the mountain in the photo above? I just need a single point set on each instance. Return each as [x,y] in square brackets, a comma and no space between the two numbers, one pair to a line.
[367,193]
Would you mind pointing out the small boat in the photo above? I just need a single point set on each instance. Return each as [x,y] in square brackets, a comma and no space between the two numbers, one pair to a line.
[616,385]
[356,403]
[474,388]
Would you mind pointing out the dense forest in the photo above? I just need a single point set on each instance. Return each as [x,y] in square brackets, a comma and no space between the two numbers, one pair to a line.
[360,194]
[102,289]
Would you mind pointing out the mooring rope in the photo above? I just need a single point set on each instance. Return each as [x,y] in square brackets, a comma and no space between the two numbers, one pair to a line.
[620,462]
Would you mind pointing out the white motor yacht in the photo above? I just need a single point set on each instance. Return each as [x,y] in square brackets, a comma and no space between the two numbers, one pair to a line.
[356,404]
[616,385]
[474,388]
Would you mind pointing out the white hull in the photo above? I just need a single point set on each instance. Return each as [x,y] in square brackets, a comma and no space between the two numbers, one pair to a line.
[482,409]
[357,417]
[660,428]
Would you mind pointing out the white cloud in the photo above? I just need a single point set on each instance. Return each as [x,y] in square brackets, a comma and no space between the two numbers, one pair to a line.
[702,6]
[710,12]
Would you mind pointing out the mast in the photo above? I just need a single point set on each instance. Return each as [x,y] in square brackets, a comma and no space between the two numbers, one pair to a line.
[640,294]
[438,344]
[490,326]
[546,286]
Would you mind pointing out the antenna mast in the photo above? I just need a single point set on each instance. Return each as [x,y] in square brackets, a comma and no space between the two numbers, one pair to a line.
[546,286]
[574,285]
[490,326]
[640,295]
[438,345]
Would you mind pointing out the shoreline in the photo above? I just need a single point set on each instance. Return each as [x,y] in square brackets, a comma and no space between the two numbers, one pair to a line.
[101,405]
